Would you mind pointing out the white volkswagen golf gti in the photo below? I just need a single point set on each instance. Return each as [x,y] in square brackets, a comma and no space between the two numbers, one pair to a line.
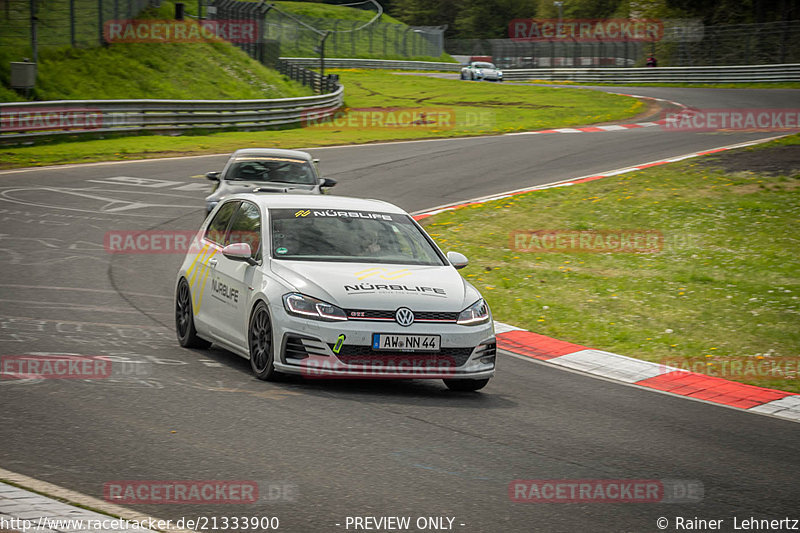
[327,286]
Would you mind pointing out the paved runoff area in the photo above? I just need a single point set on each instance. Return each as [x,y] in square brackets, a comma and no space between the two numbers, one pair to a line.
[24,511]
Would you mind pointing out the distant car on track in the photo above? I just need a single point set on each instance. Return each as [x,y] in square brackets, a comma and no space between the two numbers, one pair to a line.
[267,170]
[327,286]
[481,70]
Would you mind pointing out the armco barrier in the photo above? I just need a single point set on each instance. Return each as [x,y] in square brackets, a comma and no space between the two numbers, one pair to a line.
[716,74]
[726,74]
[21,120]
[390,64]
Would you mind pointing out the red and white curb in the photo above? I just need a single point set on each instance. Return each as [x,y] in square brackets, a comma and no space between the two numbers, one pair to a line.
[612,127]
[573,181]
[647,374]
[625,369]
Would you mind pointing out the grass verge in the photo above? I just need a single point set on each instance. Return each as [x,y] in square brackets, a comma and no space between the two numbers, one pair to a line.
[721,297]
[197,71]
[471,108]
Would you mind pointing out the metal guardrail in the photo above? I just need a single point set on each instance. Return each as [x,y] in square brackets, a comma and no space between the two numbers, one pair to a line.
[726,74]
[26,120]
[716,74]
[374,63]
[306,76]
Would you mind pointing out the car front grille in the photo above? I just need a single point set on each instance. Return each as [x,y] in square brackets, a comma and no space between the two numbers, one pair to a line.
[384,315]
[365,355]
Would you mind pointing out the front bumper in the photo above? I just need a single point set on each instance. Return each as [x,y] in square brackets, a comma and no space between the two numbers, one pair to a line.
[309,348]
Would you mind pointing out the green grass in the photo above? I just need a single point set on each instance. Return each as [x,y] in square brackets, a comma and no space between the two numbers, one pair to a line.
[387,38]
[193,71]
[754,85]
[478,109]
[329,11]
[725,287]
[213,70]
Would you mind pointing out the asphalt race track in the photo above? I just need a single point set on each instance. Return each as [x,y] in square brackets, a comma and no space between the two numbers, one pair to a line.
[333,449]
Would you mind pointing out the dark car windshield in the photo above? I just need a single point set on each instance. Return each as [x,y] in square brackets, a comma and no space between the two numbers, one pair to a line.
[483,65]
[271,169]
[350,236]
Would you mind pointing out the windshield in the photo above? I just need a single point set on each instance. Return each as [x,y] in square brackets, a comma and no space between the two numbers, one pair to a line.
[483,65]
[271,169]
[350,236]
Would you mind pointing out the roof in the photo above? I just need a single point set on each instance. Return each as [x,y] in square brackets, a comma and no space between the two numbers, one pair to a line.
[297,154]
[317,201]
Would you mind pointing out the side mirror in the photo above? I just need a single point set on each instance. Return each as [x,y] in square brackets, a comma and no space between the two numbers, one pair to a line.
[213,176]
[239,251]
[456,259]
[327,183]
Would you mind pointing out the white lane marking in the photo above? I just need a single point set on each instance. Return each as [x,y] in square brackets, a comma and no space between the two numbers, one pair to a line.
[137,182]
[80,289]
[111,205]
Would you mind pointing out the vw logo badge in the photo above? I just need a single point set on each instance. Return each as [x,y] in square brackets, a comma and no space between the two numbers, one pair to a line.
[404,316]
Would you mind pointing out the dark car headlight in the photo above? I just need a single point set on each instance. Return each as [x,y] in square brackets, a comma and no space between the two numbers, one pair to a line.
[297,304]
[477,313]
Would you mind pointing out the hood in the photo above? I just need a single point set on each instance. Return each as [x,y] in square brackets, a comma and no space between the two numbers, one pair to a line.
[379,286]
[235,187]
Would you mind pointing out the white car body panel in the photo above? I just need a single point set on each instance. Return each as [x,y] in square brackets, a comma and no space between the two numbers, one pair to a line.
[225,291]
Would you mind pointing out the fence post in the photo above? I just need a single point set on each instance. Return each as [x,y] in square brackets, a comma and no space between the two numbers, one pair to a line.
[100,21]
[34,34]
[71,22]
[353,38]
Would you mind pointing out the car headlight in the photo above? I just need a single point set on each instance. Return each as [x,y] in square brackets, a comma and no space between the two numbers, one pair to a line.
[307,307]
[477,313]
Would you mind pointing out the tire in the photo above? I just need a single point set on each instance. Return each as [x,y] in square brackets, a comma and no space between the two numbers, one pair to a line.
[184,318]
[466,385]
[463,77]
[260,341]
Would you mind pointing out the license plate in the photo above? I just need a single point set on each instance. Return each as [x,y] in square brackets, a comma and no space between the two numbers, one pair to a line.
[415,343]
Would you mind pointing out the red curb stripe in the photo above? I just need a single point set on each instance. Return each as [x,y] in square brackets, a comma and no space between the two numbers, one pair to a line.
[591,129]
[533,345]
[713,389]
[590,178]
[648,165]
[712,151]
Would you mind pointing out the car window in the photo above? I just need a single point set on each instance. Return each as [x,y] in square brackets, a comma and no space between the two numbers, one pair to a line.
[483,65]
[350,236]
[272,169]
[219,225]
[246,227]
